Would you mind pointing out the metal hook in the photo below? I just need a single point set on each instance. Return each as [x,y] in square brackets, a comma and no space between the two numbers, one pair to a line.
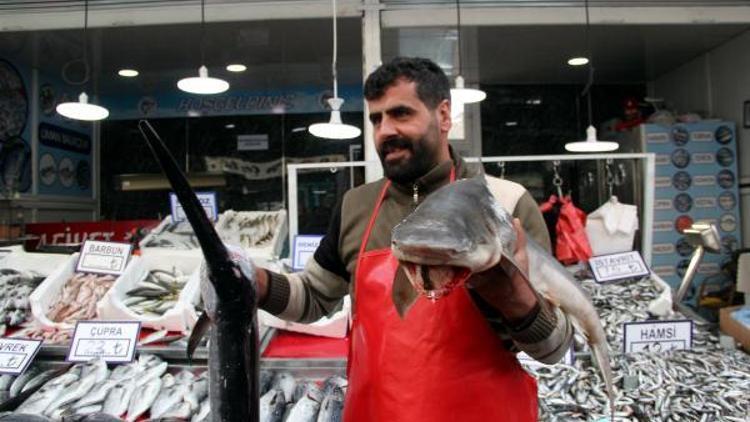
[501,164]
[610,178]
[620,175]
[556,179]
[333,170]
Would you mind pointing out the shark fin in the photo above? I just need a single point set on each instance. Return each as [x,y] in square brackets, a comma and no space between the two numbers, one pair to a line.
[403,293]
[199,331]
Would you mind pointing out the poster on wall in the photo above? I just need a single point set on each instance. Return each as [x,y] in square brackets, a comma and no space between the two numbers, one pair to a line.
[15,134]
[696,180]
[65,145]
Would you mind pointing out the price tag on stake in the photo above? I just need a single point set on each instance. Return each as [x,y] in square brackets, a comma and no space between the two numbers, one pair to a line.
[304,248]
[103,257]
[113,341]
[618,266]
[207,200]
[657,336]
[16,354]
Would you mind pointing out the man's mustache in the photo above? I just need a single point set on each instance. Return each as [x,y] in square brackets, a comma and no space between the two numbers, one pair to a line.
[395,143]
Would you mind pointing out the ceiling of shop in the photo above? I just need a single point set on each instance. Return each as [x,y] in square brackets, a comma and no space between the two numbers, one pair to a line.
[538,54]
[298,52]
[622,54]
[277,52]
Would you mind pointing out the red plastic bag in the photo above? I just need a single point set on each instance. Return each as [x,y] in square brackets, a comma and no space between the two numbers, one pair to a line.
[570,241]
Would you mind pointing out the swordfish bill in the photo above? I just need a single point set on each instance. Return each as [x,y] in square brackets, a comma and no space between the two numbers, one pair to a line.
[230,300]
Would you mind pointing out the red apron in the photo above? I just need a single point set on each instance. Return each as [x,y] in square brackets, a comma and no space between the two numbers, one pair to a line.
[442,362]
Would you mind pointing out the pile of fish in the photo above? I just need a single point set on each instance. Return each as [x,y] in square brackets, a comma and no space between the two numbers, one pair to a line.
[283,398]
[145,388]
[11,386]
[173,235]
[48,334]
[250,229]
[156,293]
[79,296]
[618,303]
[702,384]
[15,289]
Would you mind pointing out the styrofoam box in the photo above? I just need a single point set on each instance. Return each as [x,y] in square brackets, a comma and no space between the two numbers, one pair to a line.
[110,307]
[154,233]
[44,296]
[335,326]
[40,263]
[232,237]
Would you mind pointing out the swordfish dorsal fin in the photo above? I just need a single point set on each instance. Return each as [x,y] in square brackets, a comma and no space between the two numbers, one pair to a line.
[217,257]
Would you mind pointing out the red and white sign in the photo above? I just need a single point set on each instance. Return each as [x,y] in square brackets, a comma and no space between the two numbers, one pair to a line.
[78,232]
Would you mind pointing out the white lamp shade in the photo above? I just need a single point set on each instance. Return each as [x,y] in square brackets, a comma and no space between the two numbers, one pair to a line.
[335,128]
[461,94]
[203,84]
[578,61]
[82,110]
[591,144]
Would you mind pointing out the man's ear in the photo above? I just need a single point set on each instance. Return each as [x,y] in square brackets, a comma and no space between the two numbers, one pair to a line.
[444,116]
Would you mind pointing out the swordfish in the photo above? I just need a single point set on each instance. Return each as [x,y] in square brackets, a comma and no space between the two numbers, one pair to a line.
[230,299]
[460,230]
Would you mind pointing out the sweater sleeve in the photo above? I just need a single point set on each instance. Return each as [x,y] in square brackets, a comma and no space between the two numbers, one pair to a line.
[316,291]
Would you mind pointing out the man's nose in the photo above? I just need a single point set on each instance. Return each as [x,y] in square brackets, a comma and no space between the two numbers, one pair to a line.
[386,129]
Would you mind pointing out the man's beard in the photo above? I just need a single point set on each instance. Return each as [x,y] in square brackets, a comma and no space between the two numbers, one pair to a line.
[422,159]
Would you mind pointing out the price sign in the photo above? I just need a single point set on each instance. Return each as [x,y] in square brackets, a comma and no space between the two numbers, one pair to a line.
[657,336]
[304,248]
[207,200]
[618,266]
[16,354]
[113,341]
[103,257]
[568,359]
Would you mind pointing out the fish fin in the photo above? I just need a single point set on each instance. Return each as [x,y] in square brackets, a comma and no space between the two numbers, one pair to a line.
[403,293]
[199,331]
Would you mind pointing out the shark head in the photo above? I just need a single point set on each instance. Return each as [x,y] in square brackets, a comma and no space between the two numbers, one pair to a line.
[460,229]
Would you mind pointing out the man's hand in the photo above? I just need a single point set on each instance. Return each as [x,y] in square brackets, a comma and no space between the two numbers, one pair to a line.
[505,286]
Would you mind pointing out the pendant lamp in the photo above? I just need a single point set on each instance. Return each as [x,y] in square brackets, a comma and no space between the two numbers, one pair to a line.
[203,84]
[591,143]
[83,109]
[461,94]
[335,128]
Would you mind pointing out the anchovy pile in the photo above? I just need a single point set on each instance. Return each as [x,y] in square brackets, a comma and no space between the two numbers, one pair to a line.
[156,293]
[618,303]
[250,229]
[15,289]
[79,296]
[174,235]
[686,385]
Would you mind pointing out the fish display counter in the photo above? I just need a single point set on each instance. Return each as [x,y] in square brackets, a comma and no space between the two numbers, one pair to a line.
[150,388]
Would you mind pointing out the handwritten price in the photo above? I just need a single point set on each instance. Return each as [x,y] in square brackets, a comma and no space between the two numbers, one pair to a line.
[103,347]
[10,361]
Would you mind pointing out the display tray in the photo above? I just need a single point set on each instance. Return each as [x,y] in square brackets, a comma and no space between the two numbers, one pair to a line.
[172,353]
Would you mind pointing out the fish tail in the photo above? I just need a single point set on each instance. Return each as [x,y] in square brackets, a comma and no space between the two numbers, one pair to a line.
[601,357]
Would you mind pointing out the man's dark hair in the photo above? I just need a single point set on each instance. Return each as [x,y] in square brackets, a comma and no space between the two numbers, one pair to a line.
[432,84]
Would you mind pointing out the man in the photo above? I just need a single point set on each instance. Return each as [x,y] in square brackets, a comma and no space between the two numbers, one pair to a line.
[452,361]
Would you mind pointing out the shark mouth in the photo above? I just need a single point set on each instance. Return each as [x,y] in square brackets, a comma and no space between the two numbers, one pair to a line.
[434,281]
